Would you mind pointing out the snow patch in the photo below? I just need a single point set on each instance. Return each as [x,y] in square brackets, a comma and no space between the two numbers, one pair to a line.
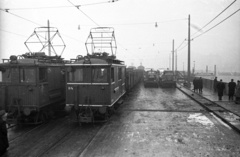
[200,118]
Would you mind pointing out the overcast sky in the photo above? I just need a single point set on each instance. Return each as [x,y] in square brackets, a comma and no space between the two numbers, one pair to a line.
[138,39]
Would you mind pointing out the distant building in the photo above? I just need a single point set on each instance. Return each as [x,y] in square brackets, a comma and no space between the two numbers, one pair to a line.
[141,67]
[132,67]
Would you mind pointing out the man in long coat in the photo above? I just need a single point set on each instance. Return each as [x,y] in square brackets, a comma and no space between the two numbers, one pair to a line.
[194,84]
[215,82]
[220,88]
[231,89]
[237,94]
[200,81]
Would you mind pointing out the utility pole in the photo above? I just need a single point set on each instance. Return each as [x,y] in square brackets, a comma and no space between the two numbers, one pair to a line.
[176,61]
[173,57]
[189,46]
[49,42]
[194,67]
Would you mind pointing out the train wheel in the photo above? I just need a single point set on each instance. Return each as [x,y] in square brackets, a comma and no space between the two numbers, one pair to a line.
[43,116]
[106,115]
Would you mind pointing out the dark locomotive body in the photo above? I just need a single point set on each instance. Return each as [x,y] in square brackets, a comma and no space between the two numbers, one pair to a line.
[94,84]
[167,79]
[151,78]
[133,77]
[29,85]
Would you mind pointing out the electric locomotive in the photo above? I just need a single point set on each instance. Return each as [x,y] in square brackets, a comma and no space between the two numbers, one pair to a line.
[33,83]
[29,84]
[167,79]
[151,78]
[96,81]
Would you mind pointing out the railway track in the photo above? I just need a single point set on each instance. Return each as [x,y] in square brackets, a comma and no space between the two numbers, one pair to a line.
[229,117]
[23,133]
[74,139]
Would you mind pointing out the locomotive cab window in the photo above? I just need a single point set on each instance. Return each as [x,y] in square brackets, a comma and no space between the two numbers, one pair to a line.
[27,75]
[42,75]
[99,75]
[112,75]
[5,75]
[76,75]
[123,73]
[119,73]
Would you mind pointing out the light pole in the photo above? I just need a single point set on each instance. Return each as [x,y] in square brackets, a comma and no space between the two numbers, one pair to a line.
[183,67]
[173,57]
[176,60]
[194,66]
[189,57]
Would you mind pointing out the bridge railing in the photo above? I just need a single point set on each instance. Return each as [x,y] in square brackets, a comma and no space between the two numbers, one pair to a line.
[207,83]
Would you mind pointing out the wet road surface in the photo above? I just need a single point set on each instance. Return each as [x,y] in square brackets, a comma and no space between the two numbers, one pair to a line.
[150,122]
[183,129]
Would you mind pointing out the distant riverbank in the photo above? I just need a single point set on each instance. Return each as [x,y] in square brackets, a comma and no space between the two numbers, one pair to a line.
[224,78]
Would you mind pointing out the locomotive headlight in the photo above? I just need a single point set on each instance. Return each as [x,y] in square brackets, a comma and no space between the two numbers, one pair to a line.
[68,108]
[26,111]
[70,88]
[102,110]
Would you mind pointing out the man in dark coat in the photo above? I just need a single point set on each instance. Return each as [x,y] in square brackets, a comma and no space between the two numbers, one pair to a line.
[231,89]
[220,88]
[215,82]
[194,84]
[200,81]
[197,84]
[3,133]
[237,94]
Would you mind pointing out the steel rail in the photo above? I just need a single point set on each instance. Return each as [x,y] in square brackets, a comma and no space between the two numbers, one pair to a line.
[213,111]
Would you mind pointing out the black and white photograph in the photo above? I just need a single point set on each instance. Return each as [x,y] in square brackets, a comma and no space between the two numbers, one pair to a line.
[119,78]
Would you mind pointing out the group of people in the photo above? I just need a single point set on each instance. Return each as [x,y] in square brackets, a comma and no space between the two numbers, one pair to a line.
[197,84]
[233,89]
[3,133]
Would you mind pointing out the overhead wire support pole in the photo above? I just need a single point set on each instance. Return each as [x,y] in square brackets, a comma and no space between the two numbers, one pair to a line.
[173,57]
[189,46]
[49,42]
[176,60]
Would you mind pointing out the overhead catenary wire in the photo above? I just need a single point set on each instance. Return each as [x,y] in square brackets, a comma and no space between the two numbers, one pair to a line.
[215,17]
[60,7]
[7,11]
[13,33]
[216,24]
[211,27]
[147,23]
[180,45]
[98,25]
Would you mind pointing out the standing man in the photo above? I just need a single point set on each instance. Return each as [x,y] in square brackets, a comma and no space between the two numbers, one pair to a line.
[231,89]
[197,84]
[194,84]
[215,84]
[3,133]
[200,84]
[237,94]
[220,88]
